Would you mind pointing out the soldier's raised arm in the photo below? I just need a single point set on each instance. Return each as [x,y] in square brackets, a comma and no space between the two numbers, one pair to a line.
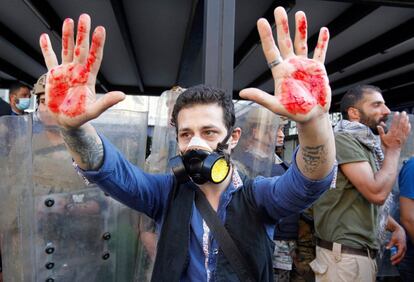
[70,89]
[302,90]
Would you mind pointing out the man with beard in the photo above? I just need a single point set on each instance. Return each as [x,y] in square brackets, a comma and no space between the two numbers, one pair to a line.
[351,217]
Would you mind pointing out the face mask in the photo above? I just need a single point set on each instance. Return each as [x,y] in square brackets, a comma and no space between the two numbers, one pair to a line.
[23,104]
[199,164]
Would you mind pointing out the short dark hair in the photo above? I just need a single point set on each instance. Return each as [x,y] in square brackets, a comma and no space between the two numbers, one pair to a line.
[354,95]
[204,95]
[15,87]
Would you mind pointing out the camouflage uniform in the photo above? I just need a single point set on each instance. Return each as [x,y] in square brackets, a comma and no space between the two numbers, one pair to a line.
[304,254]
[283,260]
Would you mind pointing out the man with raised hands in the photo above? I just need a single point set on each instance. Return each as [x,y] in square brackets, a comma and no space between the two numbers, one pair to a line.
[352,218]
[204,120]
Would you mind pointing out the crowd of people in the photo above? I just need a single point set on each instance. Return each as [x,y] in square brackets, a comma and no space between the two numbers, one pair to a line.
[323,215]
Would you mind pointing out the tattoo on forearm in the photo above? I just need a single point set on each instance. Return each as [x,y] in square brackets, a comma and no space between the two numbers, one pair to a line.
[86,146]
[313,157]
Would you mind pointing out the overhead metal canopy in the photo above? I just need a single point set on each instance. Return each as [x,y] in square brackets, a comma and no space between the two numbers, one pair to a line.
[154,45]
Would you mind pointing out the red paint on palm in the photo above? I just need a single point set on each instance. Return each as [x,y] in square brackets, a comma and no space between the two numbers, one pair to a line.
[78,75]
[305,88]
[302,27]
[295,99]
[75,102]
[67,90]
[67,84]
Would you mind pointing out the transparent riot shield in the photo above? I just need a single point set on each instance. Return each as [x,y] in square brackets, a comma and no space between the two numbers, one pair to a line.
[54,227]
[15,187]
[385,268]
[70,242]
[66,217]
[164,142]
[255,153]
[53,171]
[164,147]
[127,130]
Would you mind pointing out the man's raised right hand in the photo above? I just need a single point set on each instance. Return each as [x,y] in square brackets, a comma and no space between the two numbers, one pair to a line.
[70,86]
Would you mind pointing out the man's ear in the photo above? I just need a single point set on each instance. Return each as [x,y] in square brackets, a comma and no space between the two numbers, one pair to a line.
[235,137]
[353,114]
[12,99]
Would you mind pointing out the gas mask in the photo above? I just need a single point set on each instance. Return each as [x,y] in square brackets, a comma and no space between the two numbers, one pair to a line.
[200,164]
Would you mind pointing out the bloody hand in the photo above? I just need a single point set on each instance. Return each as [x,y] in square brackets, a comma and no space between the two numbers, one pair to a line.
[301,84]
[70,87]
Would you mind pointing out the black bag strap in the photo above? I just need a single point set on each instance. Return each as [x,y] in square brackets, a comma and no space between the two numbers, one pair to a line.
[226,243]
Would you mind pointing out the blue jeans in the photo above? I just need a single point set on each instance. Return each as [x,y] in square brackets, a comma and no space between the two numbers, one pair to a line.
[406,266]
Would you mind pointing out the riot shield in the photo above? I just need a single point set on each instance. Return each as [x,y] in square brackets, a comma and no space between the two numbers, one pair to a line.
[80,233]
[63,213]
[69,236]
[52,165]
[15,187]
[164,147]
[254,155]
[164,140]
[385,269]
[64,230]
[127,130]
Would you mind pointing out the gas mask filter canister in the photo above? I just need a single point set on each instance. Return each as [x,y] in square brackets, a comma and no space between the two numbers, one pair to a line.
[200,164]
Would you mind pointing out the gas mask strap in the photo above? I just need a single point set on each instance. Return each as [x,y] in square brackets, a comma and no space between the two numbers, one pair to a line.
[221,146]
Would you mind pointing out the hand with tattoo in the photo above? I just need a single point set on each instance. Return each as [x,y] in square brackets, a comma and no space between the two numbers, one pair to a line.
[70,86]
[302,89]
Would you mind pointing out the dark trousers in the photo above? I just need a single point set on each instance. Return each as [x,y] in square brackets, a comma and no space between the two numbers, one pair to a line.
[406,266]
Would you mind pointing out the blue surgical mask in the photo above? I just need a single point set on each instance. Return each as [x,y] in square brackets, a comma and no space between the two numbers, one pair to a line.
[23,104]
